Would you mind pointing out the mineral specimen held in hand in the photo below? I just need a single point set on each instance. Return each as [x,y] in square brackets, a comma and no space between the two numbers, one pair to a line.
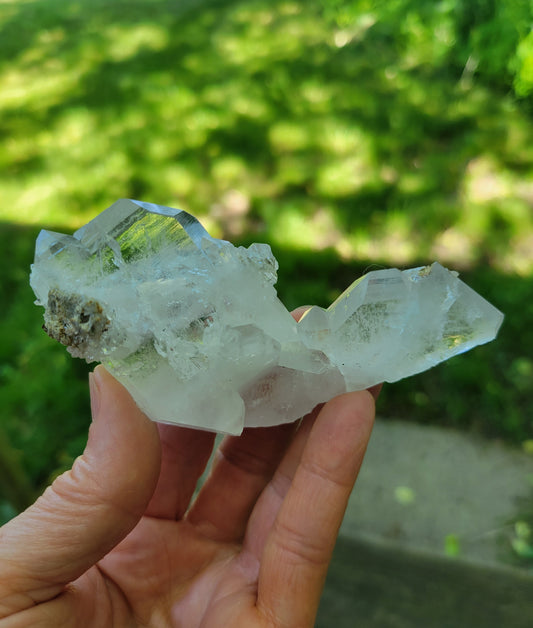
[193,328]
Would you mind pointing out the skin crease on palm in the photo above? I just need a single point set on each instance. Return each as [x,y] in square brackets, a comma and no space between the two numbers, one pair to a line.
[119,541]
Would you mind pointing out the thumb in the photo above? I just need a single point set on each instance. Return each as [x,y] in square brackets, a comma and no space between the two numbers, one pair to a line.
[87,510]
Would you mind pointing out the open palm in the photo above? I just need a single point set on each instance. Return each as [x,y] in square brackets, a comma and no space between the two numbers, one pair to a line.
[117,540]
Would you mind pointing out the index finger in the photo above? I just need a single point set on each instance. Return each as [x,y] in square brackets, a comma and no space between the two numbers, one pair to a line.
[299,548]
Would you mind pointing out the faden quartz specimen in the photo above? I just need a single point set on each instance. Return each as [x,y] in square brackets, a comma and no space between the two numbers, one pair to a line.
[193,328]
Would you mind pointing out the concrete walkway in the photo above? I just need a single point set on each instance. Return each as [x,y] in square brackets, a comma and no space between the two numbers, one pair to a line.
[423,494]
[428,487]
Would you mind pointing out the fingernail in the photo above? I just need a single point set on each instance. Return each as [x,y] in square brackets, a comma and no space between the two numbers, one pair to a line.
[94,391]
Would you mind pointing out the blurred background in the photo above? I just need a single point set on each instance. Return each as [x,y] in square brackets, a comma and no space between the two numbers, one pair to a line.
[350,135]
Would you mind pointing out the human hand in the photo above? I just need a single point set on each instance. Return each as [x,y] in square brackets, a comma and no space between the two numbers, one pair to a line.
[116,541]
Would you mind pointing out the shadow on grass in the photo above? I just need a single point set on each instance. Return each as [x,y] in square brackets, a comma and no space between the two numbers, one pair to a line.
[43,391]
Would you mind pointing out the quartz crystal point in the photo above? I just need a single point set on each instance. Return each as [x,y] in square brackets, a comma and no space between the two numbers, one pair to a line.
[193,328]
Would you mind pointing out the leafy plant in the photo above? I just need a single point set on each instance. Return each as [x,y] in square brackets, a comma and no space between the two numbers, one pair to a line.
[349,134]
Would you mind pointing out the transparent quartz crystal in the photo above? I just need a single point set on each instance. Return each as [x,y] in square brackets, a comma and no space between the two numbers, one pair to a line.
[193,328]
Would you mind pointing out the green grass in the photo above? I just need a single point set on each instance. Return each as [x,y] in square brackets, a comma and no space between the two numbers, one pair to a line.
[348,135]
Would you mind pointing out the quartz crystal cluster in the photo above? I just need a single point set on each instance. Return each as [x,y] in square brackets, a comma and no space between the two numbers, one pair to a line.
[193,328]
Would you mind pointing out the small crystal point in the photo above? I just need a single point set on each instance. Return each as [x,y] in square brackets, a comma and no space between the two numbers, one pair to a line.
[193,328]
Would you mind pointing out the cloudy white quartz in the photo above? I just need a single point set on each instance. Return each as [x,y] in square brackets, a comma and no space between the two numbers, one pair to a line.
[193,327]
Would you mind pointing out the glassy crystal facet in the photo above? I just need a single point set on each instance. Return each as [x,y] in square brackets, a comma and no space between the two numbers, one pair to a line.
[193,328]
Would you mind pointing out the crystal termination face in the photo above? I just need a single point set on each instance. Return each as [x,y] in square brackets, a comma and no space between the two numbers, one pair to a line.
[193,328]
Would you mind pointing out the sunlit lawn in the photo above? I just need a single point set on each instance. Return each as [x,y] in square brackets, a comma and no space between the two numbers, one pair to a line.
[347,140]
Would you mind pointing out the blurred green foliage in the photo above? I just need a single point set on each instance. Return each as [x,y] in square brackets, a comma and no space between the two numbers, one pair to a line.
[349,134]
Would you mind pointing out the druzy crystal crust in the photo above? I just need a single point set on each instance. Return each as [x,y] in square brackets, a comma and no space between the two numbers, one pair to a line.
[193,328]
